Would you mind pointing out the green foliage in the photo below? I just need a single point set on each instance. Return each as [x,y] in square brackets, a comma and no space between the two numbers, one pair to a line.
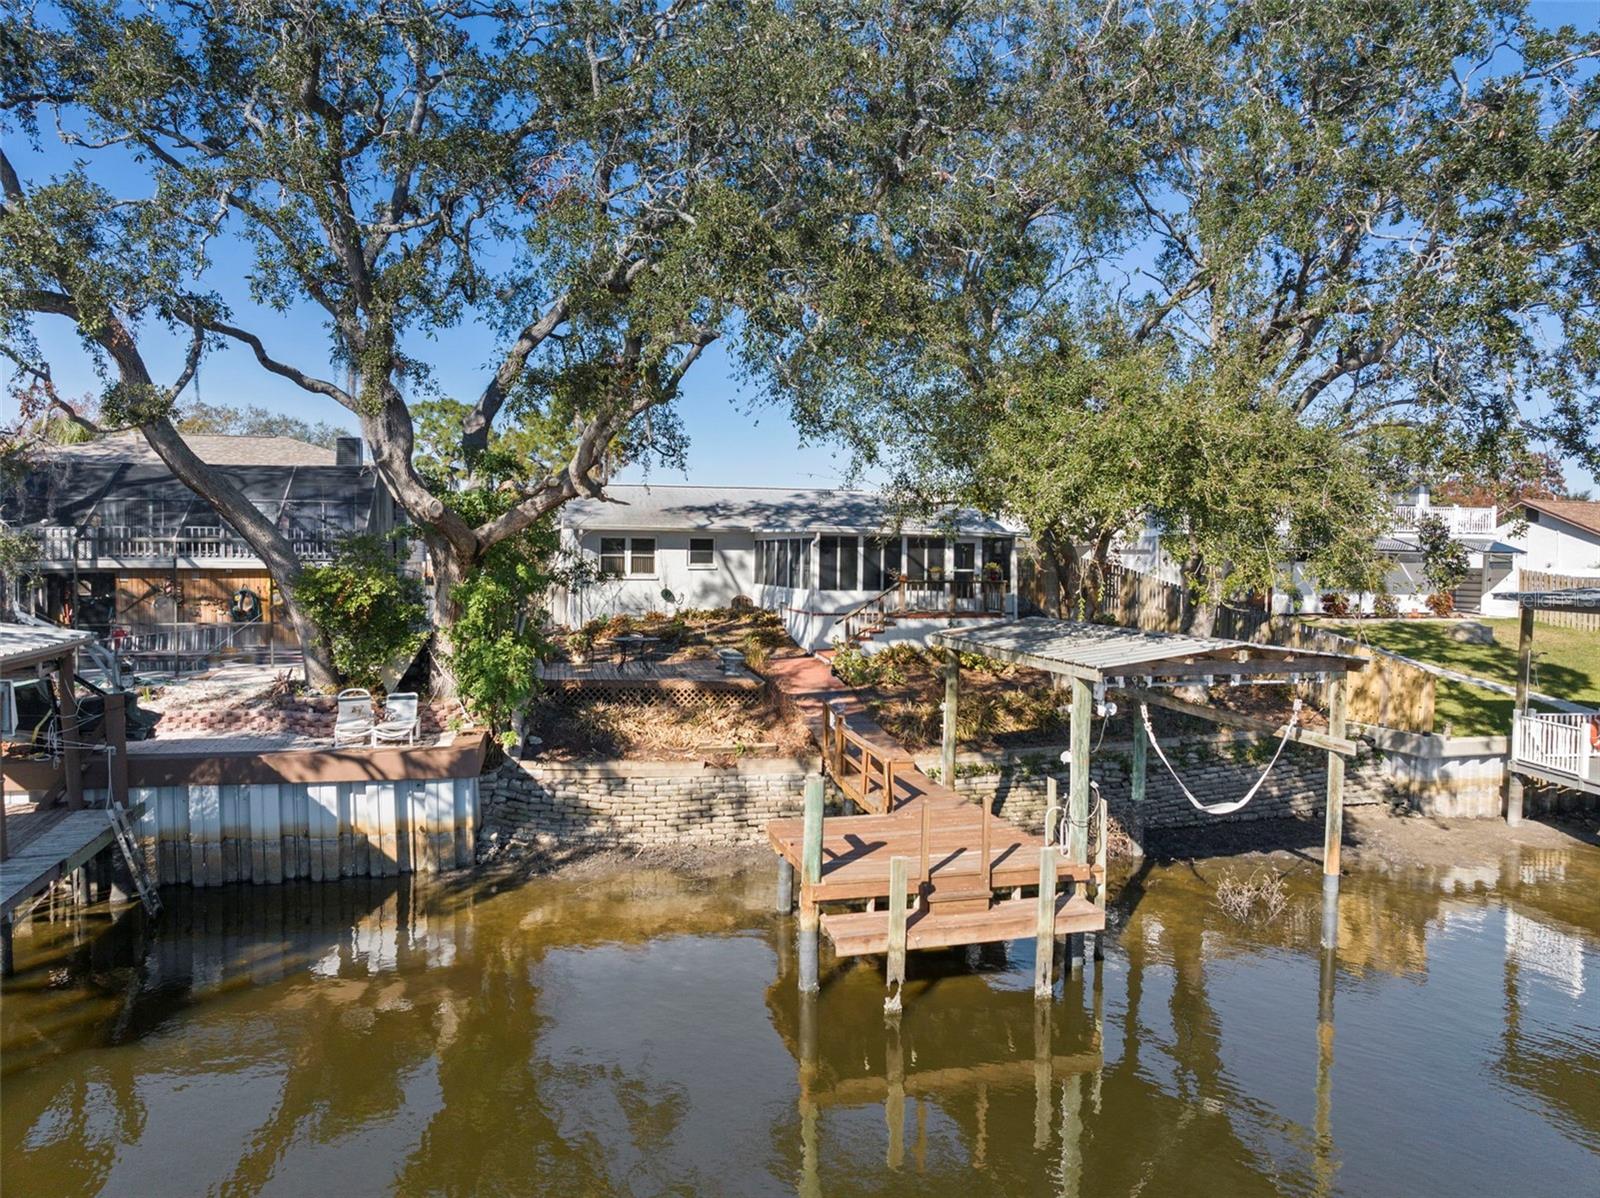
[372,615]
[1444,559]
[1385,607]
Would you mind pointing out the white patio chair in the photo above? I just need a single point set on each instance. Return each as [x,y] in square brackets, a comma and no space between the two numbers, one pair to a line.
[353,724]
[399,721]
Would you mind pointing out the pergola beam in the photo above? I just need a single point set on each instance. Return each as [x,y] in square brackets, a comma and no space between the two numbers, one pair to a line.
[1249,723]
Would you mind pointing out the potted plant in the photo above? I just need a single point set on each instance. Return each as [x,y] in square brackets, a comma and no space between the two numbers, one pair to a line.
[991,573]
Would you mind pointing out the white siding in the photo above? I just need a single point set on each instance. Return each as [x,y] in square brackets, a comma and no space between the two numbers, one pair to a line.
[693,586]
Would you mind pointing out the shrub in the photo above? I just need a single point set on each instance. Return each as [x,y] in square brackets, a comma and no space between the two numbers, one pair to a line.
[1441,603]
[1261,897]
[1385,607]
[854,667]
[1335,604]
[1444,560]
[371,614]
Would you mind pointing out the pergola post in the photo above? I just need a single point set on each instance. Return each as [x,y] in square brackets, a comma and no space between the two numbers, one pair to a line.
[1333,829]
[1077,838]
[952,697]
[1513,789]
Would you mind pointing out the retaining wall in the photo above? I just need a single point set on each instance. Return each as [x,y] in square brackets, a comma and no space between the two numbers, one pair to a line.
[635,803]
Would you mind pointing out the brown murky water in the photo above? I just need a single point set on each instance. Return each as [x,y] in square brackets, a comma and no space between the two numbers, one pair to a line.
[641,1034]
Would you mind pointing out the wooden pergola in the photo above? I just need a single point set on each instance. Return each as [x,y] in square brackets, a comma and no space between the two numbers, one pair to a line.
[1096,659]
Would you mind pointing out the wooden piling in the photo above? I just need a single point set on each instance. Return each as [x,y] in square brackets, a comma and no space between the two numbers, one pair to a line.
[952,699]
[810,874]
[1513,783]
[1141,754]
[1045,936]
[1333,828]
[785,900]
[895,972]
[1052,810]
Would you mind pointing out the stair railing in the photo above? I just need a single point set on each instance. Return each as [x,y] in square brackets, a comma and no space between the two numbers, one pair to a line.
[860,619]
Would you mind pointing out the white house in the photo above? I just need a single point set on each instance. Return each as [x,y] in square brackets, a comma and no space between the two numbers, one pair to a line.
[1558,536]
[813,556]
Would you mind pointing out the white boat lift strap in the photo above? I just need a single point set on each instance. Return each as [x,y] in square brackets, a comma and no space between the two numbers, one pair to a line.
[1237,804]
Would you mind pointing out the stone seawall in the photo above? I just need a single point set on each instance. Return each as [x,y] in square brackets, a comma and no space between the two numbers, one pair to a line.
[639,803]
[644,803]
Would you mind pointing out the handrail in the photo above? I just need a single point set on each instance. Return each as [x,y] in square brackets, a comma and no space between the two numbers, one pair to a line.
[866,776]
[849,618]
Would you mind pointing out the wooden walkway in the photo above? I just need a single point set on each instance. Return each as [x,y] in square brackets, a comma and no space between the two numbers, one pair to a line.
[47,843]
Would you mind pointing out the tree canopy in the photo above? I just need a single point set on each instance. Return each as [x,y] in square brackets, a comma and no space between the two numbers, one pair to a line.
[1354,242]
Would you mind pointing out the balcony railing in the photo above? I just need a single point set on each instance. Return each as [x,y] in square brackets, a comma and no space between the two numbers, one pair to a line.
[1461,521]
[1555,743]
[199,541]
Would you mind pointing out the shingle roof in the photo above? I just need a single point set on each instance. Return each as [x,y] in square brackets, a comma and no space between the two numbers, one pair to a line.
[761,509]
[130,446]
[1583,513]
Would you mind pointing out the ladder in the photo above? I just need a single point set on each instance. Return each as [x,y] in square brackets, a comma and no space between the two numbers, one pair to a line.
[122,831]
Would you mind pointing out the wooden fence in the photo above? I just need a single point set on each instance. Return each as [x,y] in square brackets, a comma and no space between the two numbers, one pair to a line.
[1538,580]
[1388,691]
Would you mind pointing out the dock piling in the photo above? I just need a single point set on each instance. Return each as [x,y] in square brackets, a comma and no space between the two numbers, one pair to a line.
[785,901]
[1045,936]
[895,972]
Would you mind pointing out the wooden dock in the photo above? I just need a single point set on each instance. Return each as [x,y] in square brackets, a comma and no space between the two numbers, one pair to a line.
[935,869]
[48,843]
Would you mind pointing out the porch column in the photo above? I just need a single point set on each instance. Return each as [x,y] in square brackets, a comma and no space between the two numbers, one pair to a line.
[1333,829]
[952,695]
[1513,786]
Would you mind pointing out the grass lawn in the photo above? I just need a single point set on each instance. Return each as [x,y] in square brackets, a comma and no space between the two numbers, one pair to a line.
[1566,664]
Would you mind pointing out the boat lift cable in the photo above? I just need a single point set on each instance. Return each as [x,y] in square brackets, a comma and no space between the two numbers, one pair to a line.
[1237,804]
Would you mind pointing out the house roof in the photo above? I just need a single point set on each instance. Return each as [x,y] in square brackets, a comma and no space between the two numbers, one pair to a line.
[1400,543]
[217,450]
[1095,652]
[762,509]
[24,644]
[1583,513]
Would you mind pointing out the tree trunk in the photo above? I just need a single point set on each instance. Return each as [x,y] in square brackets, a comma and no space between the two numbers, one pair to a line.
[450,569]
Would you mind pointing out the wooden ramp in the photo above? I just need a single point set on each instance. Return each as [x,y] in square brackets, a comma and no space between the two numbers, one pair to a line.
[48,843]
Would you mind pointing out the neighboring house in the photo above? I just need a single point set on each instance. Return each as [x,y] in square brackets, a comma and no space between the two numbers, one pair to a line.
[1557,536]
[128,551]
[810,555]
[1492,559]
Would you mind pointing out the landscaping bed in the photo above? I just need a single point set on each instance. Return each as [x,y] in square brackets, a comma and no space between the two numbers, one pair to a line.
[682,636]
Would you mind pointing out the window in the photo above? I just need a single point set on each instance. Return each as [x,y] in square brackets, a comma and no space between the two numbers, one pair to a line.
[642,557]
[881,563]
[702,553]
[997,552]
[836,565]
[613,552]
[781,575]
[923,556]
[966,559]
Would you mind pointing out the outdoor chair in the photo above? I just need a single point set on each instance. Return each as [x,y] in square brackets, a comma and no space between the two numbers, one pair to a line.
[399,721]
[353,724]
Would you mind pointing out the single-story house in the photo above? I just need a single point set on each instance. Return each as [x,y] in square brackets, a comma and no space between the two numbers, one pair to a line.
[810,555]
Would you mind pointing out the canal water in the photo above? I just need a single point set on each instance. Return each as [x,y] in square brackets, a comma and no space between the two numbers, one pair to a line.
[638,1032]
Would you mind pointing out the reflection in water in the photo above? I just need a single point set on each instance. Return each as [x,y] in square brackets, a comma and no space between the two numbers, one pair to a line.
[640,1032]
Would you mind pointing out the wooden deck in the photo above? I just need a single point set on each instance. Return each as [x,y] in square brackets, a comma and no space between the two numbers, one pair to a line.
[958,895]
[46,843]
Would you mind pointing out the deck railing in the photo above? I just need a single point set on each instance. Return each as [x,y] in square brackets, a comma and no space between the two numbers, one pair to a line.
[1461,521]
[864,771]
[960,595]
[1557,743]
[212,542]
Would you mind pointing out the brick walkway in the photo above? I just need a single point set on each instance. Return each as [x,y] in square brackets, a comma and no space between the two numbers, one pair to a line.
[809,683]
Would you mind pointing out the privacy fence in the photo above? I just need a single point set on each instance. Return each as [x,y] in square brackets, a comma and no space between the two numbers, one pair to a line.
[1538,580]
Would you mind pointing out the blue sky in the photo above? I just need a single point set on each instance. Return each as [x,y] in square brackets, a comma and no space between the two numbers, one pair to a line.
[732,439]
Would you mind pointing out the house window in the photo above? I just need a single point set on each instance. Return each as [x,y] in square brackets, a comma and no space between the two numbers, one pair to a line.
[881,563]
[702,553]
[613,553]
[997,552]
[642,557]
[923,556]
[781,572]
[836,564]
[966,559]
